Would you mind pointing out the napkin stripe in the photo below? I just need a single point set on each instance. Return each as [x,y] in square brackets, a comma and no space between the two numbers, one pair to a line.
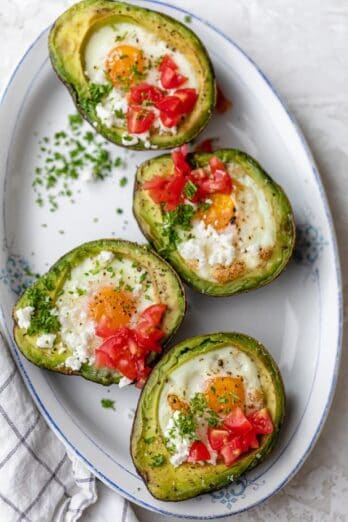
[8,380]
[21,440]
[33,454]
[43,489]
[15,508]
[124,512]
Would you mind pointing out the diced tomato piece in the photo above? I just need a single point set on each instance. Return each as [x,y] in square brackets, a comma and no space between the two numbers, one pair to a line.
[167,61]
[198,452]
[154,314]
[170,78]
[170,105]
[147,332]
[222,103]
[144,92]
[198,174]
[216,164]
[170,120]
[220,181]
[261,422]
[188,98]
[205,146]
[218,438]
[157,182]
[103,329]
[249,440]
[179,160]
[231,451]
[126,365]
[236,422]
[169,192]
[102,360]
[139,119]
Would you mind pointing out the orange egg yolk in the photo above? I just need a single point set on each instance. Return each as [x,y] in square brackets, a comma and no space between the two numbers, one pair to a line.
[220,212]
[116,306]
[123,64]
[223,393]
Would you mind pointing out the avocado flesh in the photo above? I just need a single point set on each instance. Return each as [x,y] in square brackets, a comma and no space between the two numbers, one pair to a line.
[67,41]
[189,480]
[150,219]
[161,274]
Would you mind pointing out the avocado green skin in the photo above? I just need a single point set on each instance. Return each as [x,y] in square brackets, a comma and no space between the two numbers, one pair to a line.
[149,218]
[66,52]
[53,281]
[189,480]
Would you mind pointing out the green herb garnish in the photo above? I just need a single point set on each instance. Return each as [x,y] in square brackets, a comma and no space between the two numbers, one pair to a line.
[108,404]
[158,460]
[190,189]
[42,320]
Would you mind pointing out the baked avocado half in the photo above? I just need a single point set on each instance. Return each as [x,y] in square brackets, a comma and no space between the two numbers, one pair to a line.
[141,78]
[218,218]
[103,311]
[211,410]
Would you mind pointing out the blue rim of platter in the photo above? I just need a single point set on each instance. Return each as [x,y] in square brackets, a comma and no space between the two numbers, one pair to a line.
[324,200]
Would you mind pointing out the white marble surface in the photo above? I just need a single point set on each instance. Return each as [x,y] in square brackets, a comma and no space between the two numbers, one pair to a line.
[302,46]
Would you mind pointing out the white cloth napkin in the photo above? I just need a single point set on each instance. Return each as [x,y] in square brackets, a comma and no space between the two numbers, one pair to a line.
[39,480]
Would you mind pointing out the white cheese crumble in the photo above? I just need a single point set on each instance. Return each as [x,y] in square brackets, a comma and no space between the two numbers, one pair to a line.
[124,381]
[130,139]
[208,247]
[45,340]
[181,444]
[23,316]
[78,333]
[105,257]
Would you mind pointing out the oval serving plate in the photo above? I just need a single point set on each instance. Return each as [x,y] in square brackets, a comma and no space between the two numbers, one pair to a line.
[298,317]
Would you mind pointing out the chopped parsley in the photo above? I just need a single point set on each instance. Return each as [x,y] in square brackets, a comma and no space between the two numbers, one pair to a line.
[190,189]
[42,320]
[119,211]
[123,181]
[142,277]
[204,205]
[97,91]
[158,460]
[108,404]
[180,217]
[68,155]
[188,19]
[119,114]
[149,440]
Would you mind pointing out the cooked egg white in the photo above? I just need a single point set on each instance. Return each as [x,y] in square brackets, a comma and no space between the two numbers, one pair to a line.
[201,375]
[73,307]
[193,377]
[97,49]
[104,39]
[252,231]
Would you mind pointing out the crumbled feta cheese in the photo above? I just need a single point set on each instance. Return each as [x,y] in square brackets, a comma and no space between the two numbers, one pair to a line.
[181,444]
[105,257]
[129,139]
[208,247]
[45,340]
[23,316]
[124,381]
[73,363]
[108,108]
[105,114]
